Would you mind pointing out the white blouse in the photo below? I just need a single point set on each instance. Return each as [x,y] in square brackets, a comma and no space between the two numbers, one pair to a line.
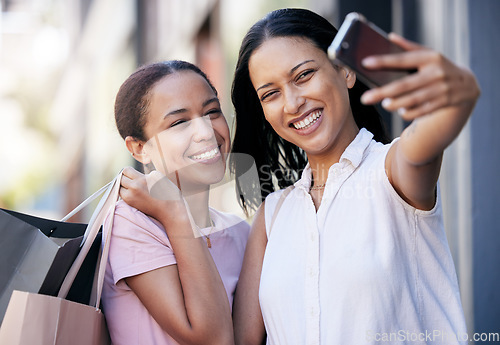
[366,268]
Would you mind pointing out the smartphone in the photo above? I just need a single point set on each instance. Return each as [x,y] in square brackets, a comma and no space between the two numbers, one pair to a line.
[358,38]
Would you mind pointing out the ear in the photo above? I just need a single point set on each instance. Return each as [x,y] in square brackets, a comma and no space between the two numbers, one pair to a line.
[136,148]
[350,77]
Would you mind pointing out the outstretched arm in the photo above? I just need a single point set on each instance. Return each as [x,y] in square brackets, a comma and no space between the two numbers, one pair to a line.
[439,98]
[188,300]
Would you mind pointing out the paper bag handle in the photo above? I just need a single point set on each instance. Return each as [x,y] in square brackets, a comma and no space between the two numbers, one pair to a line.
[86,202]
[106,206]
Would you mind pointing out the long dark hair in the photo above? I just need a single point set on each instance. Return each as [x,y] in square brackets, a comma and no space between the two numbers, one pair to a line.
[132,99]
[279,162]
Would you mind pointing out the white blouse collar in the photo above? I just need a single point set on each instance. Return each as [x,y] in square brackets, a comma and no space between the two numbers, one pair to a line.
[353,155]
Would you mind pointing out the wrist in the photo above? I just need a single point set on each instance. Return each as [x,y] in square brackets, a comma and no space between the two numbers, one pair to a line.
[172,214]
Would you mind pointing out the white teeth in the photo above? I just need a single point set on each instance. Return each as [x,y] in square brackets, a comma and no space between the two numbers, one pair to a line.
[308,121]
[206,155]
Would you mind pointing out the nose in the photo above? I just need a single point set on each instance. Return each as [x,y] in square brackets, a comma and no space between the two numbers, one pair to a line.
[293,100]
[202,129]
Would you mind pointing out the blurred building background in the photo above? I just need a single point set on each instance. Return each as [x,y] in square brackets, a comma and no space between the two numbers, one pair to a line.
[62,62]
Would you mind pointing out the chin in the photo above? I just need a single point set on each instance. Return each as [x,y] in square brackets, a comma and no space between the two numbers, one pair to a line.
[215,175]
[316,148]
[208,175]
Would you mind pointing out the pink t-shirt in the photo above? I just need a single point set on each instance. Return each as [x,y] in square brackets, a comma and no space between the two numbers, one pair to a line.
[140,244]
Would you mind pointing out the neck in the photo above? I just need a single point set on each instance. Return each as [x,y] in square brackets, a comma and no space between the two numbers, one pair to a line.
[320,163]
[196,196]
[198,204]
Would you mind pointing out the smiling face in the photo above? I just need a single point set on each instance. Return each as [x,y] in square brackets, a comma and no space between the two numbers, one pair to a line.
[186,129]
[303,96]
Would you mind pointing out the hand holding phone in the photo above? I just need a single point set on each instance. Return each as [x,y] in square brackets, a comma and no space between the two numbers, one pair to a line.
[356,39]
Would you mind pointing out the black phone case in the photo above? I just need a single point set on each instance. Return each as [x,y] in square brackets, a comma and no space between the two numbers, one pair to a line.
[357,38]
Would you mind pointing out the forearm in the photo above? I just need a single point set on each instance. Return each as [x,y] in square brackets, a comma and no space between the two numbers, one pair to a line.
[188,300]
[205,297]
[208,313]
[438,97]
[415,160]
[427,137]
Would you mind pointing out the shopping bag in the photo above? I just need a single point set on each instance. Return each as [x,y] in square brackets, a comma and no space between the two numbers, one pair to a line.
[36,254]
[41,319]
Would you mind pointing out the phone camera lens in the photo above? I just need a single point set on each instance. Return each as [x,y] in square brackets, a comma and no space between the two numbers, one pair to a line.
[345,45]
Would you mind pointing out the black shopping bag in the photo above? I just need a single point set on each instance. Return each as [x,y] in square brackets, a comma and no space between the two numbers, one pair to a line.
[36,254]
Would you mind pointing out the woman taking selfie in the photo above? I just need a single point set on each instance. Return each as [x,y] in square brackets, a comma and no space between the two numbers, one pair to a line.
[356,252]
[173,261]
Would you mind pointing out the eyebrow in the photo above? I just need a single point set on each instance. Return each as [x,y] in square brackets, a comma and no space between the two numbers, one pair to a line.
[289,73]
[208,101]
[183,110]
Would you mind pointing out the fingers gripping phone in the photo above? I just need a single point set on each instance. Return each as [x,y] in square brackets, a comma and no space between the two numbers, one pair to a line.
[356,39]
